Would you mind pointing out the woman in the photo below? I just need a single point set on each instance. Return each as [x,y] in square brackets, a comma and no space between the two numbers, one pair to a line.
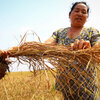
[77,37]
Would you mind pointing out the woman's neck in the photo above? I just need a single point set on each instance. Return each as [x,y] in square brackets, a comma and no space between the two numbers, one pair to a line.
[73,32]
[76,28]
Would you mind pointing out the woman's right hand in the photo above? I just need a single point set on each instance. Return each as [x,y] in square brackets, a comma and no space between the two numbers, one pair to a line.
[80,44]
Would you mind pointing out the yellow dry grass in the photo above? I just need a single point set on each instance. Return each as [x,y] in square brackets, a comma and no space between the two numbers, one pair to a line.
[26,86]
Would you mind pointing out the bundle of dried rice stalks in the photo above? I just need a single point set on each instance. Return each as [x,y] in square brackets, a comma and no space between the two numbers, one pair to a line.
[35,54]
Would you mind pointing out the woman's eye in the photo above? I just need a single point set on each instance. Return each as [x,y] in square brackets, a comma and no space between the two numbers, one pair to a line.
[76,11]
[84,12]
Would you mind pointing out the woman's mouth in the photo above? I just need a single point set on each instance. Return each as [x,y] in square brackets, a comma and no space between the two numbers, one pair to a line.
[79,19]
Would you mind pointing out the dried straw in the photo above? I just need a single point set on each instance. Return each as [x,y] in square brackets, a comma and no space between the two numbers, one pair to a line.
[54,53]
[36,54]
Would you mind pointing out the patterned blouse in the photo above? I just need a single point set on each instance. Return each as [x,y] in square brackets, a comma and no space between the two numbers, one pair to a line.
[88,89]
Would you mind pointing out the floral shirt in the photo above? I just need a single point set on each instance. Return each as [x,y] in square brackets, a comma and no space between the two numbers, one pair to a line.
[88,89]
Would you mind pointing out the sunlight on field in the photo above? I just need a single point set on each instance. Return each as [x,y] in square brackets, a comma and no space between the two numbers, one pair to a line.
[26,86]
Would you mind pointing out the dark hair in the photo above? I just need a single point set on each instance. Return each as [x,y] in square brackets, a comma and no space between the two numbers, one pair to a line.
[74,4]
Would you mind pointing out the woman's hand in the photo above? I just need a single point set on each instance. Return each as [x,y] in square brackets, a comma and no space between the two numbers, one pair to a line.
[80,44]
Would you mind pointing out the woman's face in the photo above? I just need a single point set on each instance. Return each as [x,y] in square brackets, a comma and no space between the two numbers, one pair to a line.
[79,15]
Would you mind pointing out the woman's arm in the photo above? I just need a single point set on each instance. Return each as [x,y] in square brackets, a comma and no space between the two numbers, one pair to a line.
[51,40]
[97,44]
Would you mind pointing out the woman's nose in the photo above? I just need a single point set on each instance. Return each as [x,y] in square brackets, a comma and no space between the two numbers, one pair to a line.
[80,13]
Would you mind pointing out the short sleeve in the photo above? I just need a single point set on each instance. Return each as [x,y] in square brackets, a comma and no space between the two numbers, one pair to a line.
[54,35]
[95,36]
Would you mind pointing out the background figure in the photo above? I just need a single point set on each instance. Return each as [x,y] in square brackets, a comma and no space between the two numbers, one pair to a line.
[77,36]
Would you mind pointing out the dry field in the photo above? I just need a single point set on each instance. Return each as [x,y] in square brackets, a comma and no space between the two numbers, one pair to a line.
[26,86]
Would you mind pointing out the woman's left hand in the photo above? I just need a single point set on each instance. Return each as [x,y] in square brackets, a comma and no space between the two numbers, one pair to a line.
[80,44]
[3,54]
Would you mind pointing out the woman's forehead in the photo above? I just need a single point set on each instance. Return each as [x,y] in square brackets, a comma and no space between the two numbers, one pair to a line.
[80,5]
